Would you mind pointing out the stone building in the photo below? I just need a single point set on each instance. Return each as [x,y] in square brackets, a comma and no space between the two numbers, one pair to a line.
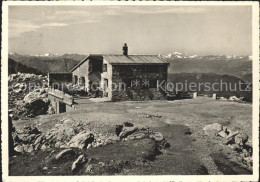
[122,77]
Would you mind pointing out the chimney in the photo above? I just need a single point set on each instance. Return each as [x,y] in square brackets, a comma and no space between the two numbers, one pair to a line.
[125,50]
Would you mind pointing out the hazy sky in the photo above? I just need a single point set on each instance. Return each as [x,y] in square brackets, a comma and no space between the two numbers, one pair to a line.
[198,30]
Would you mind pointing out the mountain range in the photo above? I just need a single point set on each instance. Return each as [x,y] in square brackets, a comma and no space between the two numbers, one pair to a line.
[238,66]
[179,55]
[48,63]
[184,69]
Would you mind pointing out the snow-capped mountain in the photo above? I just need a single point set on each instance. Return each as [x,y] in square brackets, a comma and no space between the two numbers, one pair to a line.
[12,53]
[179,55]
[46,55]
[193,56]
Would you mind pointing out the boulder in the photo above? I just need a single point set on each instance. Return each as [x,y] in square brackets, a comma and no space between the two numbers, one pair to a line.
[81,140]
[19,148]
[127,131]
[233,98]
[64,153]
[34,95]
[241,139]
[212,129]
[24,148]
[137,135]
[78,163]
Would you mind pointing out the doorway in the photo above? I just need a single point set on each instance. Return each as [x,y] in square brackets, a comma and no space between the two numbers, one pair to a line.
[62,107]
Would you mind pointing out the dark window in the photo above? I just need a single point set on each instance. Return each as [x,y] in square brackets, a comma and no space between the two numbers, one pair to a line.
[104,67]
[62,107]
[152,83]
[82,81]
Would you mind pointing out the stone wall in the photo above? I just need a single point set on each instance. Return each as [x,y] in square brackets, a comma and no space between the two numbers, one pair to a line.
[140,81]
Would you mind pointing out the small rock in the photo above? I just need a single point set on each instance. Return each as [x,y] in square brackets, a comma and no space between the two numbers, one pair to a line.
[58,144]
[28,148]
[102,164]
[64,153]
[37,146]
[222,134]
[156,136]
[19,148]
[212,129]
[78,163]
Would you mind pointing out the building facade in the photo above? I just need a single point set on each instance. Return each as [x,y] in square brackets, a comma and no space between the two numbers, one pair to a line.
[122,77]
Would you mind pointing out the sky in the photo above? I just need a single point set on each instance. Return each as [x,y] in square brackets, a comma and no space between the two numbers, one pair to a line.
[201,30]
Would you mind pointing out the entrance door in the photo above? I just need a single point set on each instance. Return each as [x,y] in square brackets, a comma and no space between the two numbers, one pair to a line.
[62,107]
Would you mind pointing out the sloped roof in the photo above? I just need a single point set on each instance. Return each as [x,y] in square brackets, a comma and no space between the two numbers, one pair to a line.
[122,59]
[80,63]
[133,59]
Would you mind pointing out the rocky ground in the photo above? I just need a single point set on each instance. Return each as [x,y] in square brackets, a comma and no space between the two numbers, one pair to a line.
[27,95]
[194,136]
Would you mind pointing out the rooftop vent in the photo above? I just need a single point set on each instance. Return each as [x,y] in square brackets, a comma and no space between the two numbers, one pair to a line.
[125,50]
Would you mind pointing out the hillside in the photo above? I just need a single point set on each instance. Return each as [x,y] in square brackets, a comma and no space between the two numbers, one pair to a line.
[234,67]
[15,67]
[210,78]
[48,64]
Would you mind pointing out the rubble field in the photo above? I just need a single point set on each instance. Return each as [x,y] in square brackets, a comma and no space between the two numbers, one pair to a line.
[193,136]
[27,96]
